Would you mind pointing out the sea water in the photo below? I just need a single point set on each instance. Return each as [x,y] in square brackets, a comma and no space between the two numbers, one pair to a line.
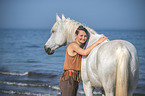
[26,70]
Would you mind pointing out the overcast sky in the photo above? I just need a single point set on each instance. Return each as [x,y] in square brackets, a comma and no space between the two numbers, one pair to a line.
[97,14]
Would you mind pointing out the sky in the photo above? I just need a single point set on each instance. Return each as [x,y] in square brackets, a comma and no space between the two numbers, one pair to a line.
[96,14]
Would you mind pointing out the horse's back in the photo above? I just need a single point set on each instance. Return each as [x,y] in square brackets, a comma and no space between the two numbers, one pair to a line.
[111,47]
[109,52]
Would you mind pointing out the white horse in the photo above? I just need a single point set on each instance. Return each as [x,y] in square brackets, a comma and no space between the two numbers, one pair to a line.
[112,66]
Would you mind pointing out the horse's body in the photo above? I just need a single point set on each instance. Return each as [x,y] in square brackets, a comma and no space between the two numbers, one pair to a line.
[111,66]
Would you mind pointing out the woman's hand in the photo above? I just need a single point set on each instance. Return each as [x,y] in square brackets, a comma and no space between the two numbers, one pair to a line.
[102,39]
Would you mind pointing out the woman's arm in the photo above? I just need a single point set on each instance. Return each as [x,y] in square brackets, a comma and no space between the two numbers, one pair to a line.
[75,47]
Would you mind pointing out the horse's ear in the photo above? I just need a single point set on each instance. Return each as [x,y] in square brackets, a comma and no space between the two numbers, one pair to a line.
[57,18]
[63,18]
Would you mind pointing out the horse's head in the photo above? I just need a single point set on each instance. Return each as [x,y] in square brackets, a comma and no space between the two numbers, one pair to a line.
[58,37]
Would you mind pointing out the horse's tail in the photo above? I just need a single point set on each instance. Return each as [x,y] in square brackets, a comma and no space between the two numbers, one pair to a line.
[122,71]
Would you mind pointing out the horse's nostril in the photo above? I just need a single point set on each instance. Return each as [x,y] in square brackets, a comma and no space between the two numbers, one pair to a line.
[49,50]
[44,46]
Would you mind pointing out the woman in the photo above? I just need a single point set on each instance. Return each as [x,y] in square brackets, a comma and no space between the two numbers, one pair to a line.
[72,65]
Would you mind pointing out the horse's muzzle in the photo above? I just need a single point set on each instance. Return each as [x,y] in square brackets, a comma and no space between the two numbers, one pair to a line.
[48,50]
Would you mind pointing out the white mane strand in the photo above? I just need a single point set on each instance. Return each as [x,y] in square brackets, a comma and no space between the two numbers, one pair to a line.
[71,27]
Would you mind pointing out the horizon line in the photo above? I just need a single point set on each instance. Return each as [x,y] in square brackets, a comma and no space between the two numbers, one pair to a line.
[91,28]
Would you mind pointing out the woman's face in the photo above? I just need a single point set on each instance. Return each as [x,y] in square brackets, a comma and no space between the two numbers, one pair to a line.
[81,37]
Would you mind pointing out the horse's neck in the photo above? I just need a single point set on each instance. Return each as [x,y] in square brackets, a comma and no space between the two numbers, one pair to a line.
[93,39]
[70,29]
[93,36]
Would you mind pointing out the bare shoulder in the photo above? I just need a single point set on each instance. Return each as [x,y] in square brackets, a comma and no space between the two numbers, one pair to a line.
[73,44]
[71,47]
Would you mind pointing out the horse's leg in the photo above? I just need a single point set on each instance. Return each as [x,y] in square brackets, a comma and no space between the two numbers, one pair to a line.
[108,77]
[88,88]
[103,92]
[86,83]
[109,91]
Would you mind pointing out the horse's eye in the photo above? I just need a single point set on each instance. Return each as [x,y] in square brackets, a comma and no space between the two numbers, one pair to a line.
[52,31]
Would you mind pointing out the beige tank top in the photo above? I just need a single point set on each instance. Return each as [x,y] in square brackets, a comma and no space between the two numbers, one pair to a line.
[72,62]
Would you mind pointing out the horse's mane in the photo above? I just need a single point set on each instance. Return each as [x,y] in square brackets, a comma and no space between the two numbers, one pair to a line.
[71,27]
[72,24]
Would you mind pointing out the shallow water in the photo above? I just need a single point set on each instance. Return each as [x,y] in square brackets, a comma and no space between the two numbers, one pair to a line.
[25,68]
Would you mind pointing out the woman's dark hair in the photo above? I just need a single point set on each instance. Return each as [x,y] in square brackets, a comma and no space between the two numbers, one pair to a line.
[81,28]
[86,31]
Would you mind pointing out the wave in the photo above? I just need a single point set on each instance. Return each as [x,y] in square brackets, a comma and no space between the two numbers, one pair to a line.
[31,61]
[33,46]
[24,84]
[80,91]
[24,93]
[29,74]
[142,58]
[56,88]
[30,85]
[14,74]
[42,74]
